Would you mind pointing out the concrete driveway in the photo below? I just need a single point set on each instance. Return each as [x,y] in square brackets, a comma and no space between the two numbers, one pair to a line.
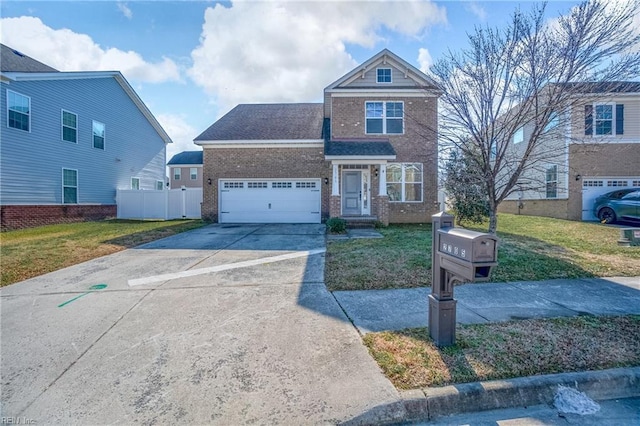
[223,324]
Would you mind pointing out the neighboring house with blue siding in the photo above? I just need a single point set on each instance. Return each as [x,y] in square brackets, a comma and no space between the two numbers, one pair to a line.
[69,140]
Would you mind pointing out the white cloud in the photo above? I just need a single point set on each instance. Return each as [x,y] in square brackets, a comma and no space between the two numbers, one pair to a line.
[180,132]
[424,59]
[66,50]
[122,7]
[477,10]
[289,51]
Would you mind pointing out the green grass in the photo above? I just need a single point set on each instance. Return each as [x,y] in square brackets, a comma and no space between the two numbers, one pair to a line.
[529,249]
[31,252]
[506,350]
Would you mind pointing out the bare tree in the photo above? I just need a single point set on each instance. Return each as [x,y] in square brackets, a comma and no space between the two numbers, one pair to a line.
[525,75]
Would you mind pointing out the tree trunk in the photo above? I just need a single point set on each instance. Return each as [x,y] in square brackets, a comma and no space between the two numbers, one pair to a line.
[493,219]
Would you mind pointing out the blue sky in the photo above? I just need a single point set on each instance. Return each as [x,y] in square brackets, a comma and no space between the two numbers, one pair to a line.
[192,61]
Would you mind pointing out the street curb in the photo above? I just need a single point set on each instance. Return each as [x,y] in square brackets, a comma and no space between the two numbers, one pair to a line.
[420,405]
[519,392]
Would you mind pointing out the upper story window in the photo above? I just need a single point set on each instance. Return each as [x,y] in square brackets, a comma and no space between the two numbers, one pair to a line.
[518,136]
[604,119]
[554,120]
[18,111]
[98,135]
[135,183]
[383,75]
[384,117]
[177,173]
[69,186]
[69,127]
[193,173]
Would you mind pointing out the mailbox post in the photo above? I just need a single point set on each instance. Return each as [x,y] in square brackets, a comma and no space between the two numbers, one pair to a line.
[457,255]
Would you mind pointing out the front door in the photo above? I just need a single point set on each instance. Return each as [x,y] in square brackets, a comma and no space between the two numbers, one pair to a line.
[352,192]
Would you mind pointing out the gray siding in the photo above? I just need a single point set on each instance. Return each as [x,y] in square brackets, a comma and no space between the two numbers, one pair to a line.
[32,162]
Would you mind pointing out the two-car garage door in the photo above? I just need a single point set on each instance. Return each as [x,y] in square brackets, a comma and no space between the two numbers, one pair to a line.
[592,187]
[269,201]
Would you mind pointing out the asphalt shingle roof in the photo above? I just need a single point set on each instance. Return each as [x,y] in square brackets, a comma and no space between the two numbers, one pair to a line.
[187,157]
[364,148]
[12,60]
[605,87]
[268,122]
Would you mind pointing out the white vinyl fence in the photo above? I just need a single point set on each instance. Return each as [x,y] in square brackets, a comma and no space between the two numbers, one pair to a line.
[155,204]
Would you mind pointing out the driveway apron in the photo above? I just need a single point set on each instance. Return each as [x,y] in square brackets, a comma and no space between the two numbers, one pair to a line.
[220,325]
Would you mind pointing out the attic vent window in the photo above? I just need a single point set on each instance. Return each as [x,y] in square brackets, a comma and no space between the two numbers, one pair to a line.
[384,75]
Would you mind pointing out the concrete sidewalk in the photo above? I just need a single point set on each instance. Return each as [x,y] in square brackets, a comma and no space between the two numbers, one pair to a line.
[379,310]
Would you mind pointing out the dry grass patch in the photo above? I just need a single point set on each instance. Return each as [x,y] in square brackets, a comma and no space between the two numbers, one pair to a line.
[506,350]
[31,252]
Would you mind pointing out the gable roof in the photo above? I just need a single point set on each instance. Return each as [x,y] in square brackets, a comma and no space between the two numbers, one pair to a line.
[604,87]
[388,57]
[252,122]
[12,60]
[37,71]
[187,157]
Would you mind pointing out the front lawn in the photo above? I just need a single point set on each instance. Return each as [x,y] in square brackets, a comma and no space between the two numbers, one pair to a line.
[506,350]
[530,249]
[31,252]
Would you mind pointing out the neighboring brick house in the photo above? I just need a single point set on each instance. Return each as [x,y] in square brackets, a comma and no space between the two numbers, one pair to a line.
[595,149]
[369,152]
[185,169]
[69,140]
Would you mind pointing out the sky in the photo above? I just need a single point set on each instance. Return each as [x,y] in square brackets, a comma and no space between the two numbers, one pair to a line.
[192,61]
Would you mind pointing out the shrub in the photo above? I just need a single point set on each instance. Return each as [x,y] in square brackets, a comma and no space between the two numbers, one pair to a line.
[337,225]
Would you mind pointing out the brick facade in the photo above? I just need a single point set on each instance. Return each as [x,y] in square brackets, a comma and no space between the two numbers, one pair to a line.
[18,216]
[262,163]
[547,208]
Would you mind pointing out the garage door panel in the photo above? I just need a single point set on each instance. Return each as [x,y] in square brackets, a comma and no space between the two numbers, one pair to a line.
[593,187]
[270,201]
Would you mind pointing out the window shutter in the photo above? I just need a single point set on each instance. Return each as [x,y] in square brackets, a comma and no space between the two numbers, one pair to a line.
[619,119]
[588,119]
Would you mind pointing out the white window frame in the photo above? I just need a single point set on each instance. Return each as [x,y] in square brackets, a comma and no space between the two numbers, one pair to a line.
[62,125]
[384,117]
[378,75]
[93,135]
[403,182]
[135,183]
[159,185]
[28,114]
[193,173]
[71,186]
[177,173]
[548,181]
[518,136]
[594,119]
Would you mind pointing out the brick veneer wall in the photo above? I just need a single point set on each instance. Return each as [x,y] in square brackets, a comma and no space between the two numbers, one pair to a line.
[417,145]
[547,208]
[18,217]
[262,163]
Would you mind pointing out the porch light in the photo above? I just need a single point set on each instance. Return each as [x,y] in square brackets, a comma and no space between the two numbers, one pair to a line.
[376,171]
[209,181]
[326,181]
[578,177]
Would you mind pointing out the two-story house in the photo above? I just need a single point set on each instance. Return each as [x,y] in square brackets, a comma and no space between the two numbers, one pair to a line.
[368,152]
[69,140]
[185,170]
[591,148]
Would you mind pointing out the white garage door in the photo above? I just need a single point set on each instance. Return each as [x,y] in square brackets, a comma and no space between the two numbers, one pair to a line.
[269,201]
[592,187]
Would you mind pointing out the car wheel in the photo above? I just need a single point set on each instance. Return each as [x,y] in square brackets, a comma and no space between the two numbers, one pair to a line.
[607,215]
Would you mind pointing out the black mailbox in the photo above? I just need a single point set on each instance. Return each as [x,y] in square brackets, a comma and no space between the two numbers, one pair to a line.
[467,254]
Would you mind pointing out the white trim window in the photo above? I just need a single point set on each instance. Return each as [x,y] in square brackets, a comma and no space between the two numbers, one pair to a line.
[384,118]
[69,126]
[98,135]
[69,186]
[383,75]
[135,183]
[159,185]
[518,136]
[18,111]
[551,181]
[177,173]
[604,119]
[404,182]
[193,173]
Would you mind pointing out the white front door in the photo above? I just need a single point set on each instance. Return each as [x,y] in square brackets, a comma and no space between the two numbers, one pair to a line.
[356,192]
